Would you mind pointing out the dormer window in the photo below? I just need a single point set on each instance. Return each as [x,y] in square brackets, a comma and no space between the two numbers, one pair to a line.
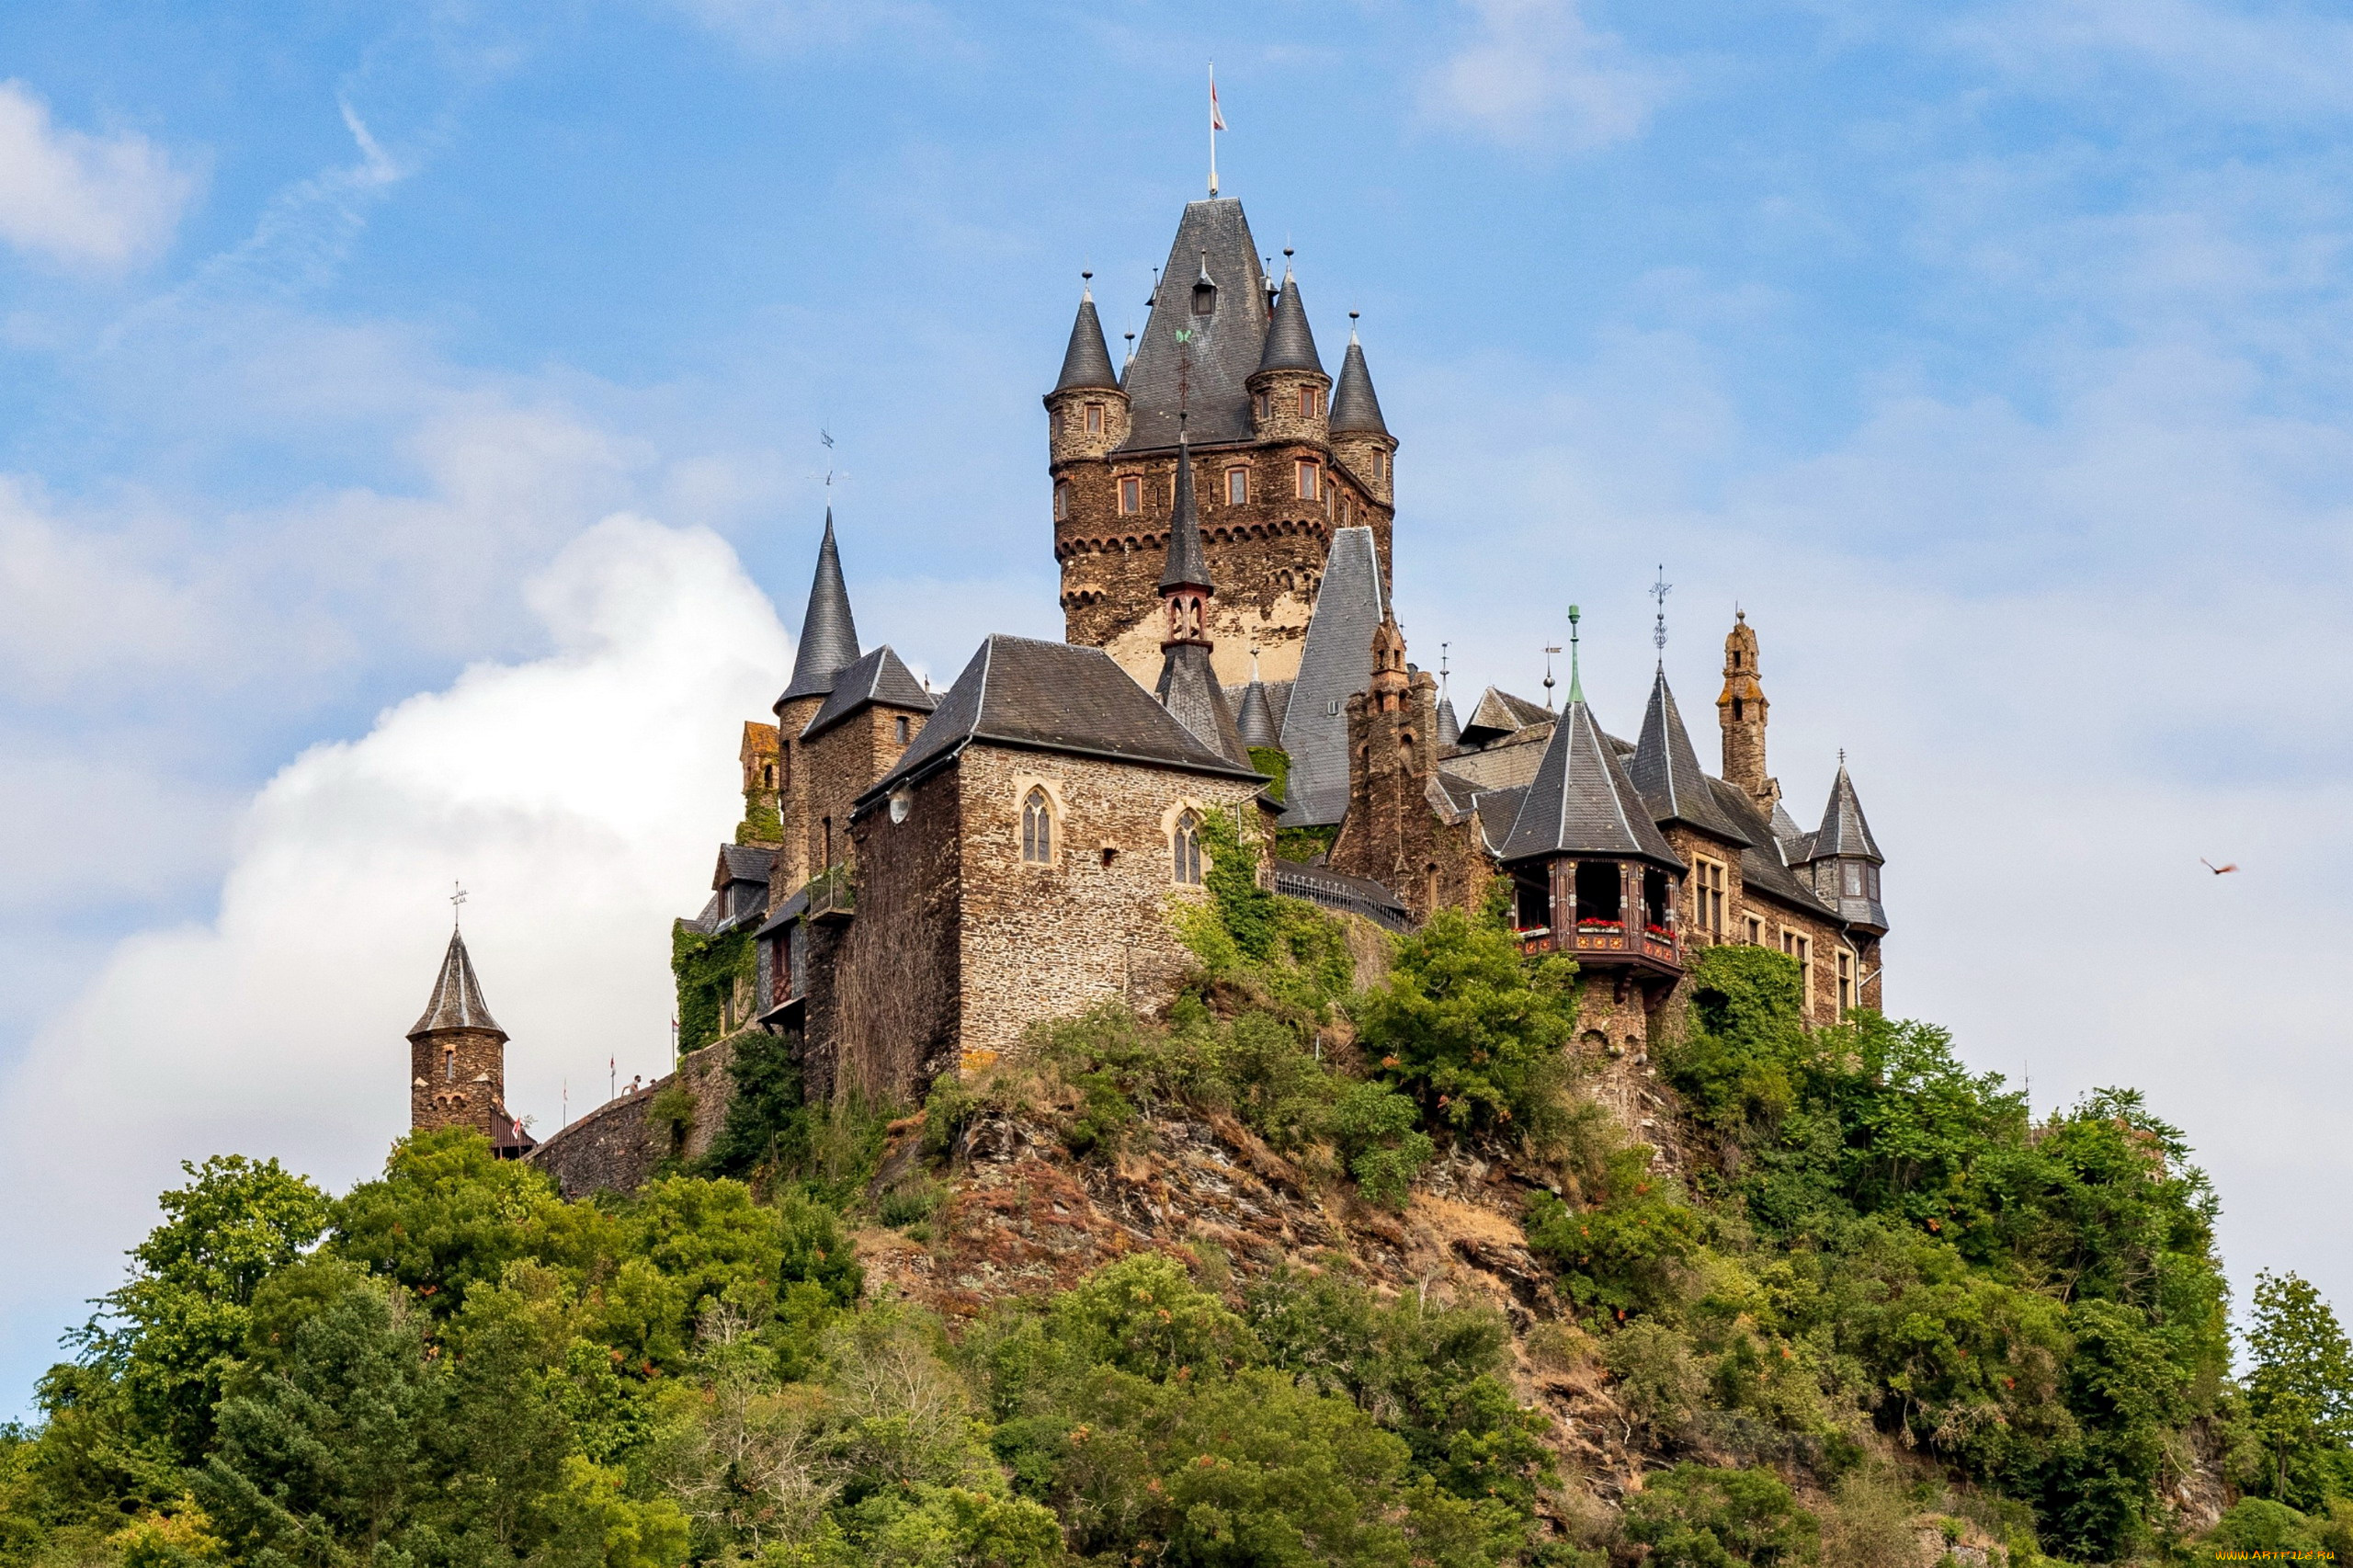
[1204,296]
[1095,419]
[1130,494]
[1311,482]
[1237,486]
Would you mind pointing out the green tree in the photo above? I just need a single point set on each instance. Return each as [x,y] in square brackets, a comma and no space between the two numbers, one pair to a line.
[2300,1394]
[1695,1516]
[181,1320]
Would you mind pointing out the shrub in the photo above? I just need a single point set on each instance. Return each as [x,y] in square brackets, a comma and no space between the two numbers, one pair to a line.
[1695,1516]
[1377,1131]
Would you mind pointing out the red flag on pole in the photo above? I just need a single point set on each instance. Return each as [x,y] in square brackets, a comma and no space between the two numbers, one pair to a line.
[1217,120]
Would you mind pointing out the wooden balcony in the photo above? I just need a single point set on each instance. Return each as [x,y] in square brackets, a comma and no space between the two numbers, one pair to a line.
[1603,946]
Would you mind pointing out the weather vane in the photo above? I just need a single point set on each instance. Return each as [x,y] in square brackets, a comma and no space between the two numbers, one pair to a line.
[1659,590]
[1547,678]
[457,897]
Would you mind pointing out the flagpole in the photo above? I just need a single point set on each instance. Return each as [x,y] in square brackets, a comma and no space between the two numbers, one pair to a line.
[1212,128]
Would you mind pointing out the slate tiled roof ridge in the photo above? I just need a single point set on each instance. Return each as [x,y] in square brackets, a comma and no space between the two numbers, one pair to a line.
[746,862]
[1666,771]
[1222,348]
[456,1002]
[1291,342]
[1356,410]
[1450,728]
[1335,664]
[1086,363]
[1052,696]
[1582,802]
[1762,869]
[879,677]
[828,633]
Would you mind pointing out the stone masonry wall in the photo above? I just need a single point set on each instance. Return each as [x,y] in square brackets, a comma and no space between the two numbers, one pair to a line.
[843,764]
[455,1078]
[1047,941]
[1776,917]
[883,1002]
[792,868]
[1266,554]
[614,1148]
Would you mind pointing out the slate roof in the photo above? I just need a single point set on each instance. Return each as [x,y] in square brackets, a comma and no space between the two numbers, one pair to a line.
[1498,810]
[1666,771]
[1086,362]
[1188,562]
[1212,238]
[1050,696]
[1355,409]
[1189,689]
[875,678]
[1449,729]
[1582,802]
[1762,869]
[1510,763]
[1255,722]
[742,863]
[828,635]
[1290,346]
[1334,665]
[1498,713]
[1843,829]
[457,1001]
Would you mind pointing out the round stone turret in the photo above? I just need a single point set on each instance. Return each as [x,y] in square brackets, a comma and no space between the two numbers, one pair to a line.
[1289,393]
[1086,412]
[1359,436]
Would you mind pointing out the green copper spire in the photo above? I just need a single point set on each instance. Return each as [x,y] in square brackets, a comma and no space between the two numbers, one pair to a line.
[1577,687]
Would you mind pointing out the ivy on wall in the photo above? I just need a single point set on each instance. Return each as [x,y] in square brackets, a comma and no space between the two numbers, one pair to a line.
[761,822]
[707,969]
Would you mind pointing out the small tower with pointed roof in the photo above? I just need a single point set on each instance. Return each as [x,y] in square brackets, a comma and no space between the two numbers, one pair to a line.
[829,646]
[1188,686]
[1087,412]
[1740,712]
[457,1057]
[1289,393]
[1389,834]
[1360,436]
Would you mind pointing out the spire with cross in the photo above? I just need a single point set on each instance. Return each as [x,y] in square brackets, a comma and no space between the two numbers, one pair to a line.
[1658,591]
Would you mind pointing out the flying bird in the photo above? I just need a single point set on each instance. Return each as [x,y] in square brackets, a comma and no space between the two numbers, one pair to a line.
[2218,870]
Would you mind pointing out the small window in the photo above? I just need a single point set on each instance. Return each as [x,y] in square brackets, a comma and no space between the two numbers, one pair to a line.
[1261,406]
[1379,464]
[1189,850]
[1310,482]
[449,1063]
[1853,880]
[1845,981]
[898,730]
[1346,511]
[1095,419]
[1708,895]
[767,776]
[1037,829]
[1737,706]
[1754,936]
[1237,486]
[1061,499]
[1310,401]
[1204,298]
[1130,494]
[828,827]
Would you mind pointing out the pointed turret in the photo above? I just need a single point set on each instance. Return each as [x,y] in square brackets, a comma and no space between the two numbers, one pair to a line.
[458,1061]
[1581,803]
[1086,363]
[1450,728]
[1188,687]
[828,634]
[1255,722]
[1355,410]
[456,1002]
[1290,343]
[1666,771]
[1845,859]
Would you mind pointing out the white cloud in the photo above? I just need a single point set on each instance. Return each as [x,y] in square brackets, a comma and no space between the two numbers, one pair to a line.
[2277,63]
[75,198]
[1535,74]
[578,796]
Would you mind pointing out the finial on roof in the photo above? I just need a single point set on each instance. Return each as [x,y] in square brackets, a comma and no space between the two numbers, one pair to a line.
[1842,759]
[1549,652]
[1352,327]
[1659,590]
[458,890]
[1576,680]
[1442,666]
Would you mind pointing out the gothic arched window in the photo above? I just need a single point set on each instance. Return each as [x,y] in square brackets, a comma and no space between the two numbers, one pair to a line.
[1037,829]
[1188,849]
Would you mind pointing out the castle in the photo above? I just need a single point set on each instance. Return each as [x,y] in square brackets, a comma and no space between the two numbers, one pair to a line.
[921,875]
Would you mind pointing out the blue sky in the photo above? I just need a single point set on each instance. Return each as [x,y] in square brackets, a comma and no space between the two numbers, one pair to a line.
[400,404]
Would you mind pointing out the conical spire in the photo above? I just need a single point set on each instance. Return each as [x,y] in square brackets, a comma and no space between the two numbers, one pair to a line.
[1189,563]
[1255,722]
[1355,410]
[1582,802]
[1843,830]
[828,635]
[1666,771]
[1086,363]
[1450,728]
[1289,344]
[456,997]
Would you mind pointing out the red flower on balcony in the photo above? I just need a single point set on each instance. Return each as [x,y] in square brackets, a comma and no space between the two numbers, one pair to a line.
[1595,923]
[1663,933]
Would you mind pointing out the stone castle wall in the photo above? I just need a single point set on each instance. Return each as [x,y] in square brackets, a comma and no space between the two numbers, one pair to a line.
[457,1077]
[1266,554]
[616,1148]
[1091,927]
